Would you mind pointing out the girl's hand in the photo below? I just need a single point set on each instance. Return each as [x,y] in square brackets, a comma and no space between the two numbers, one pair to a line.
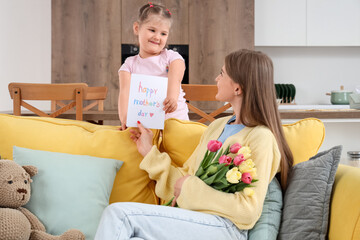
[123,126]
[143,139]
[177,188]
[170,105]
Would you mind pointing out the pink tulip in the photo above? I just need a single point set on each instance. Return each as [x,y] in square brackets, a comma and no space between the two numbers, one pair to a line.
[225,159]
[235,148]
[214,145]
[239,159]
[246,178]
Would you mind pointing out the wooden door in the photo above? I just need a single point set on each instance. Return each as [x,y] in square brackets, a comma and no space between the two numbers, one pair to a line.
[86,44]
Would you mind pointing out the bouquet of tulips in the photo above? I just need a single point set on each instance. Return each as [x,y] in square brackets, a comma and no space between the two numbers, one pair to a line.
[230,170]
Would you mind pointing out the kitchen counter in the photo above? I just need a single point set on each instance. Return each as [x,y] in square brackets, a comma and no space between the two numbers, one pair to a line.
[332,113]
[340,113]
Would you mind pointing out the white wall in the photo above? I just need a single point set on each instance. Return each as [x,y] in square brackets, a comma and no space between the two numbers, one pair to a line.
[346,134]
[315,71]
[25,45]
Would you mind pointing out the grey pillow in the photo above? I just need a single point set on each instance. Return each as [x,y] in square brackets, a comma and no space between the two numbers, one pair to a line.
[267,227]
[307,198]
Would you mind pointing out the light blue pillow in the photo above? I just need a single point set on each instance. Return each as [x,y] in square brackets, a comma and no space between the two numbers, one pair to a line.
[268,225]
[69,191]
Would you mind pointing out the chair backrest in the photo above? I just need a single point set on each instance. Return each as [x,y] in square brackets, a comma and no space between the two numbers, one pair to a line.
[198,92]
[96,96]
[74,92]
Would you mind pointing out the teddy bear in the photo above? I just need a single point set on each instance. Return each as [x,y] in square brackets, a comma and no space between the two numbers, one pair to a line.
[17,222]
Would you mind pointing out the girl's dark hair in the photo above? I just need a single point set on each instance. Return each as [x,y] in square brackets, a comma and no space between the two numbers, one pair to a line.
[153,9]
[254,72]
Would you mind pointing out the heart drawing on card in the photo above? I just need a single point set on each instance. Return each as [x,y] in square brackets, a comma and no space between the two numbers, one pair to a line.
[151,114]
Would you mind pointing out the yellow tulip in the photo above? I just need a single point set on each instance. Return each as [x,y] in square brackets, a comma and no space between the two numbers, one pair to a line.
[248,192]
[253,173]
[246,166]
[233,175]
[245,151]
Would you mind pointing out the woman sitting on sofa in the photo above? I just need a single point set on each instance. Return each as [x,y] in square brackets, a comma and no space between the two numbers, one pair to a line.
[246,81]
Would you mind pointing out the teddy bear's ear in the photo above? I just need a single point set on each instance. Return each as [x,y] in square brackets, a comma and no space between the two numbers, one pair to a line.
[31,170]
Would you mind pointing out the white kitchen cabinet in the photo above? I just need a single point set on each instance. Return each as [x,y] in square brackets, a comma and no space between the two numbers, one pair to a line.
[280,23]
[333,23]
[307,23]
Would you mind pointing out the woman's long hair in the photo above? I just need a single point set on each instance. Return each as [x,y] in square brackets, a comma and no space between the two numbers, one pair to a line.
[254,72]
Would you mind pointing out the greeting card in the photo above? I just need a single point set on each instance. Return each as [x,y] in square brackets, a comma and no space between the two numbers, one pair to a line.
[147,94]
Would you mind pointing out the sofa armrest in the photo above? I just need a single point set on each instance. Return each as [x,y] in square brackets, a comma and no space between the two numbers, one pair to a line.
[345,204]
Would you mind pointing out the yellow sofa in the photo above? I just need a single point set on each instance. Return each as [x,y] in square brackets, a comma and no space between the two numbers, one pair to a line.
[178,140]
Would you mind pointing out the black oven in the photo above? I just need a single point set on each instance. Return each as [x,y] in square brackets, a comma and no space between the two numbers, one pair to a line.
[128,50]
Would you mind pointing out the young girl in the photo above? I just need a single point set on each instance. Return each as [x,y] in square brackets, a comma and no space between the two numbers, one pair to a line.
[246,81]
[152,30]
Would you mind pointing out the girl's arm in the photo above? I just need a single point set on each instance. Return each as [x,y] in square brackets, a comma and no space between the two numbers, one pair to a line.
[175,76]
[124,84]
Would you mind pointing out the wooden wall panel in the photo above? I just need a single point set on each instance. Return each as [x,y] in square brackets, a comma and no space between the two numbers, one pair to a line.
[179,33]
[86,44]
[87,37]
[217,28]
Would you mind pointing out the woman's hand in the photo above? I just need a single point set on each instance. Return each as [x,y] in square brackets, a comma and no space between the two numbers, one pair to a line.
[170,105]
[143,139]
[177,188]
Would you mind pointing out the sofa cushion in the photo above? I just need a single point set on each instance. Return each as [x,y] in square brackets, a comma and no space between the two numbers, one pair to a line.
[82,138]
[180,138]
[304,138]
[267,227]
[66,187]
[307,198]
[345,204]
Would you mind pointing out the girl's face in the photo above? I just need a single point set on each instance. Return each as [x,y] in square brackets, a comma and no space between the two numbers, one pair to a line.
[228,90]
[153,35]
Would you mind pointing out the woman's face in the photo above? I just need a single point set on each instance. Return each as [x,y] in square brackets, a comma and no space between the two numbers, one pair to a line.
[228,90]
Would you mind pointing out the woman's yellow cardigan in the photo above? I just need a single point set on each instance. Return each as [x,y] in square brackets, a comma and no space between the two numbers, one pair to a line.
[195,195]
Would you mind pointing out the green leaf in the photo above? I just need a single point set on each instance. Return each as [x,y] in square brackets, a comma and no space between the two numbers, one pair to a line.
[240,186]
[200,171]
[206,154]
[210,180]
[227,151]
[204,176]
[208,159]
[222,172]
[219,185]
[169,202]
[212,169]
[216,160]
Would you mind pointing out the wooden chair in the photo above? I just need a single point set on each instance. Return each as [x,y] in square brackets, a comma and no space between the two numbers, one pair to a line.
[96,97]
[198,92]
[74,92]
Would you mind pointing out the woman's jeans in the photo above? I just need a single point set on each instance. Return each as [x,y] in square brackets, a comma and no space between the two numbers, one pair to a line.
[122,220]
